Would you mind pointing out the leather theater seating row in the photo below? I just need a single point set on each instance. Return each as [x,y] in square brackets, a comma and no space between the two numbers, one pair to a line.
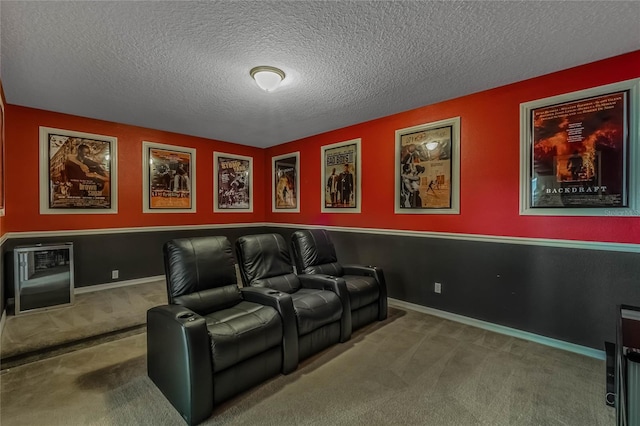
[214,339]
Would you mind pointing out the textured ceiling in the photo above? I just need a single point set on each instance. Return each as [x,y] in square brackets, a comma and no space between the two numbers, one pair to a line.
[183,66]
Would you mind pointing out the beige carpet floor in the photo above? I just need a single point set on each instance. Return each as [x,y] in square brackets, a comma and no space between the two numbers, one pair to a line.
[92,314]
[412,369]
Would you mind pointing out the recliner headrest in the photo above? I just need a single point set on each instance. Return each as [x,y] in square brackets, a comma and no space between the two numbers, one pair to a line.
[263,256]
[312,247]
[197,264]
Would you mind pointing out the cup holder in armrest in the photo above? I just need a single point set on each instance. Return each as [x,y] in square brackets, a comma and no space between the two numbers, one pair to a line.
[274,292]
[186,315]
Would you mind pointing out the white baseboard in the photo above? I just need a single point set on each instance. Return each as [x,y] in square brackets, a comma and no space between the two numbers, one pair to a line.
[108,286]
[543,340]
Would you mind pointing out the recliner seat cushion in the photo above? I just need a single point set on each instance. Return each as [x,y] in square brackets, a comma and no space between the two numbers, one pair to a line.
[362,290]
[240,332]
[315,308]
[285,283]
[210,300]
[333,268]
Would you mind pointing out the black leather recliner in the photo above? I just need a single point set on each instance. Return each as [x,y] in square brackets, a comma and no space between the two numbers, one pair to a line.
[214,340]
[323,318]
[314,253]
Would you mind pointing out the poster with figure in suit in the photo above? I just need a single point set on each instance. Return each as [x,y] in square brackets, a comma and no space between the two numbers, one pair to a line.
[77,172]
[341,176]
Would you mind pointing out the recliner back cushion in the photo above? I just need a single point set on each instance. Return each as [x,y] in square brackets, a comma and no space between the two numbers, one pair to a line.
[312,250]
[201,273]
[265,262]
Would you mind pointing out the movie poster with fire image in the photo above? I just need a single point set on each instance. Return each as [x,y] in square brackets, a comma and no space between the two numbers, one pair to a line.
[425,169]
[579,152]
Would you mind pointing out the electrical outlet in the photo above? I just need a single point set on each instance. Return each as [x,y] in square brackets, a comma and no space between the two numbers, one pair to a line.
[115,274]
[437,287]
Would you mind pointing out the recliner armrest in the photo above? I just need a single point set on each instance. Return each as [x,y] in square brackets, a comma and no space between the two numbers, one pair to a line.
[366,270]
[179,360]
[283,303]
[339,287]
[378,274]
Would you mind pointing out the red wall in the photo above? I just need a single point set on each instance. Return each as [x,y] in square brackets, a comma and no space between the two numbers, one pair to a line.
[490,158]
[2,163]
[22,147]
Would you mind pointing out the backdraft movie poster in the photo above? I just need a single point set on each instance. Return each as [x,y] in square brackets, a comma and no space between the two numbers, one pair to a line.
[579,156]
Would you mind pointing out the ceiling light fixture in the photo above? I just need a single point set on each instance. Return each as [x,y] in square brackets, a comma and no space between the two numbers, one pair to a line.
[267,78]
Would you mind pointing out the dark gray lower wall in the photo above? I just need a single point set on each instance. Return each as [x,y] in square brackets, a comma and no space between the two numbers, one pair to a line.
[134,255]
[566,294]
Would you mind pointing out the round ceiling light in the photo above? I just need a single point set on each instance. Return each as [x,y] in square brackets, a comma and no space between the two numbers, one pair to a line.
[267,78]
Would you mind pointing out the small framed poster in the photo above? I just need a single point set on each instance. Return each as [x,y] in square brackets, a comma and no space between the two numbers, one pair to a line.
[579,153]
[427,168]
[232,183]
[341,177]
[285,185]
[169,174]
[78,172]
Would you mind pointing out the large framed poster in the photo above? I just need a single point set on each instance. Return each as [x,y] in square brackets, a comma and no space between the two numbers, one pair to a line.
[169,174]
[285,174]
[341,177]
[232,183]
[579,153]
[78,172]
[427,168]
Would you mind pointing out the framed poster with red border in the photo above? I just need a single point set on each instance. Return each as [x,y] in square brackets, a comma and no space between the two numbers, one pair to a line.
[580,154]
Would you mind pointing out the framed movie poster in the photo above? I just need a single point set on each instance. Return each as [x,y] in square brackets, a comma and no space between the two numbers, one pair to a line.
[427,168]
[169,174]
[232,182]
[78,172]
[285,173]
[341,177]
[2,177]
[579,153]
